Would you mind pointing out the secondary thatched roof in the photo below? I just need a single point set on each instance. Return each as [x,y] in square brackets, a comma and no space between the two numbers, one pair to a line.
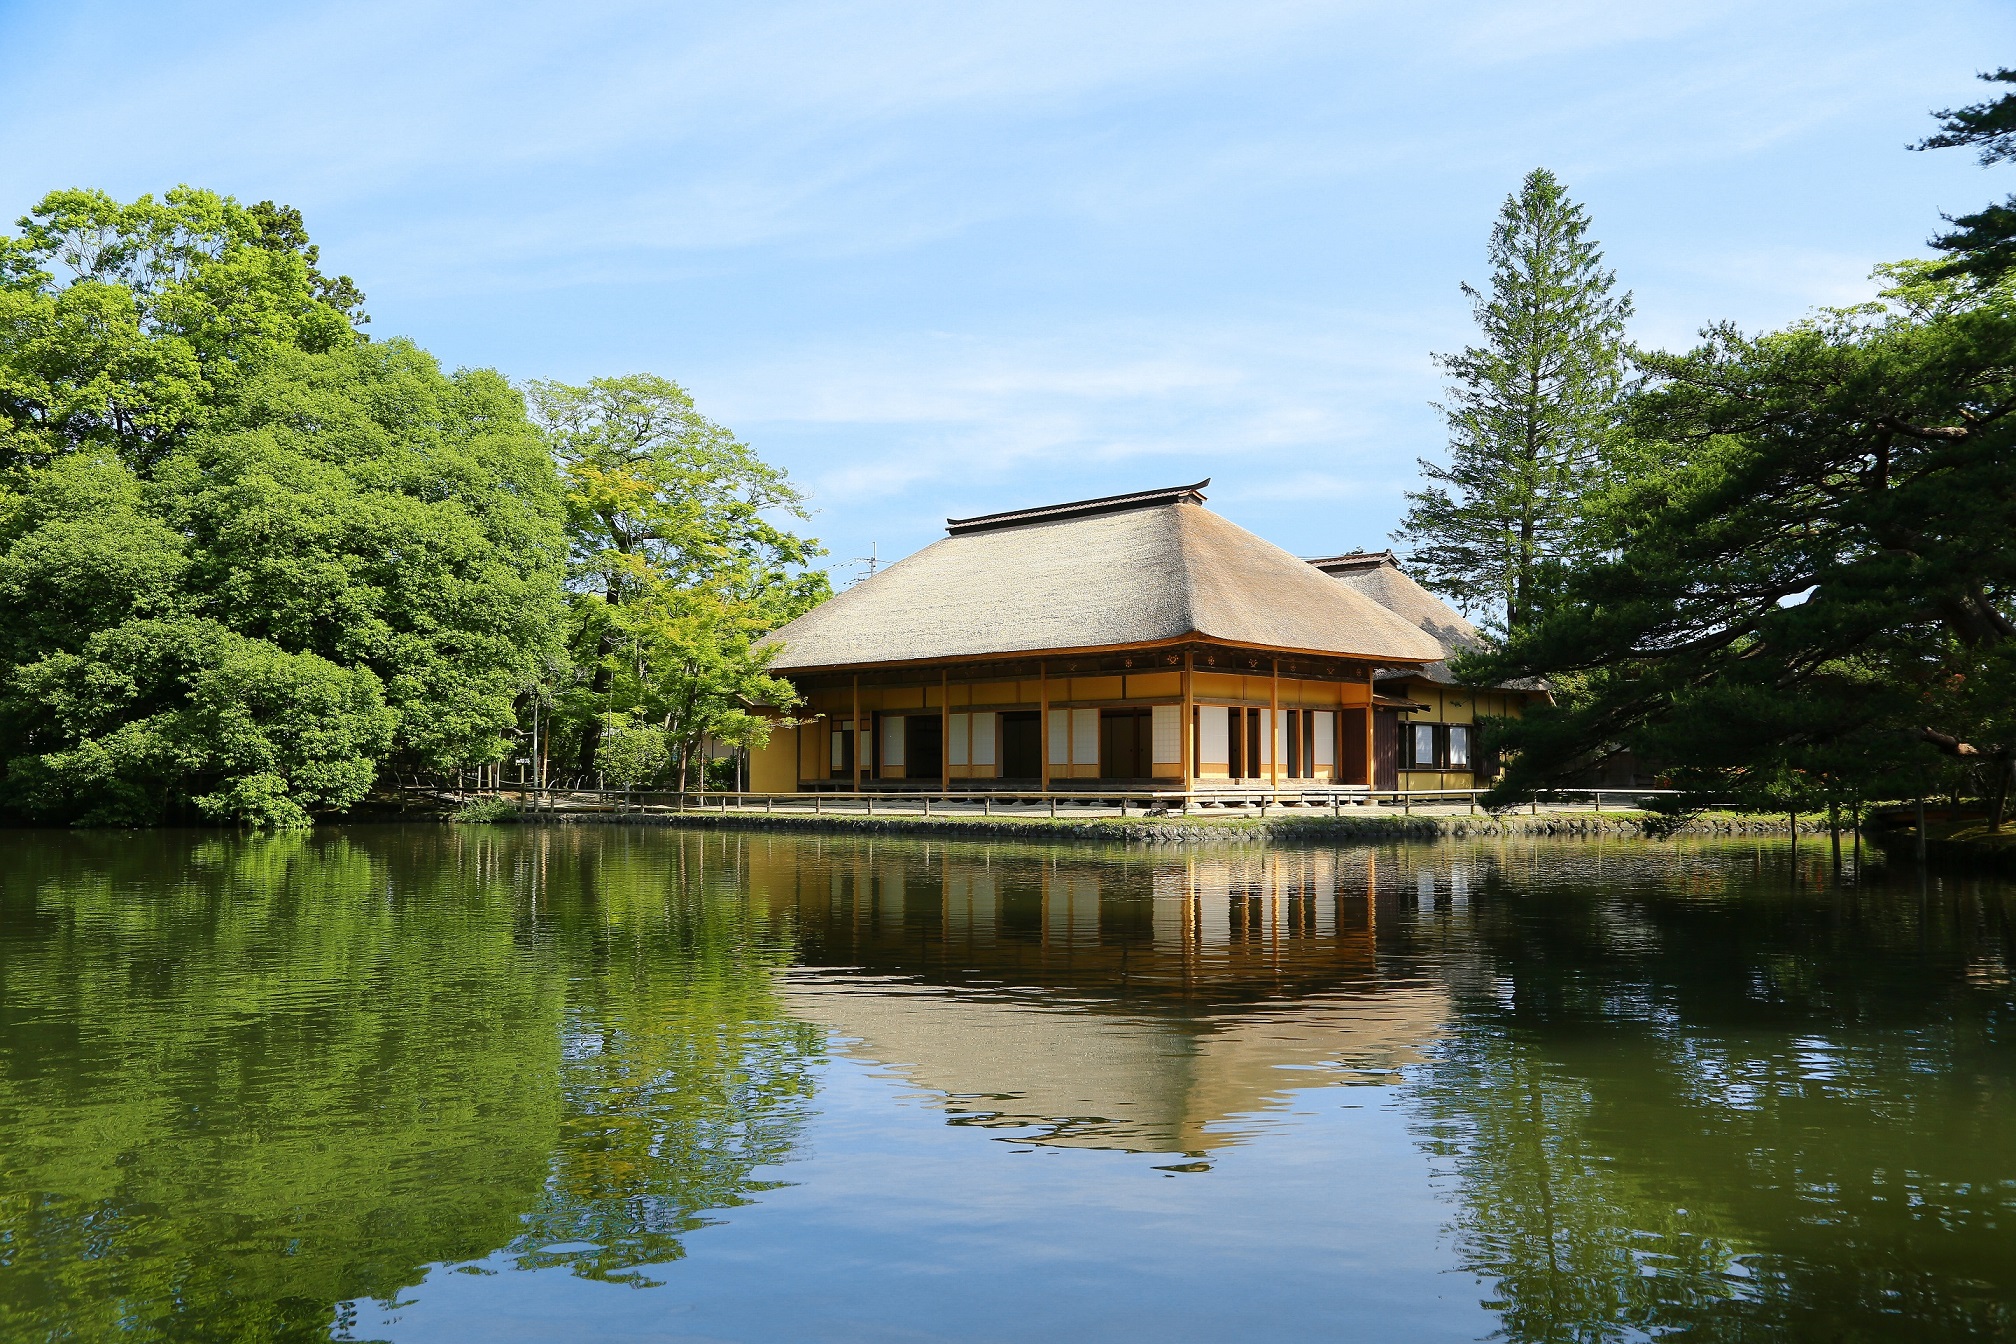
[1129,570]
[1377,574]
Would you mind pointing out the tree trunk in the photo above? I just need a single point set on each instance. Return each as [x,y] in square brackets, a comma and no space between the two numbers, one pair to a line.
[591,731]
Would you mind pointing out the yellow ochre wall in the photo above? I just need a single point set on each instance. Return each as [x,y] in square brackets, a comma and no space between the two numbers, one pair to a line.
[773,768]
[1455,704]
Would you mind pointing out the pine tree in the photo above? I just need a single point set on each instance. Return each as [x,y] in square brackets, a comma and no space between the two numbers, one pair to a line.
[1529,412]
[1984,243]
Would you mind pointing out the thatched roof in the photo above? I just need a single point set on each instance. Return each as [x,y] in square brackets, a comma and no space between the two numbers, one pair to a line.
[1377,574]
[1124,571]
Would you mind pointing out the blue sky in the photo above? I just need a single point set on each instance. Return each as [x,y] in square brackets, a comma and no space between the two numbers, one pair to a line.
[945,259]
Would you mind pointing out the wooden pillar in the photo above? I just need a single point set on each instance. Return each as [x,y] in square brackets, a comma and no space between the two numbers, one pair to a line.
[1189,723]
[1043,726]
[945,728]
[857,732]
[1371,737]
[1275,735]
[1337,739]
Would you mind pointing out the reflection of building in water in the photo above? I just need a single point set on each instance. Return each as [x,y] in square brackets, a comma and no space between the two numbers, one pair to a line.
[1129,1005]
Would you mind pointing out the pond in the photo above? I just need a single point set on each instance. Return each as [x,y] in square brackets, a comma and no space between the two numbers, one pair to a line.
[601,1083]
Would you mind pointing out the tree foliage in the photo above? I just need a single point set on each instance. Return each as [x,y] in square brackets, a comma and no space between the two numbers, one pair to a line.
[1984,243]
[1529,413]
[677,569]
[1810,584]
[248,558]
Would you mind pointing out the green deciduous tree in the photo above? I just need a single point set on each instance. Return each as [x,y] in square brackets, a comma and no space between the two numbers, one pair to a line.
[146,712]
[1529,413]
[281,228]
[247,558]
[676,565]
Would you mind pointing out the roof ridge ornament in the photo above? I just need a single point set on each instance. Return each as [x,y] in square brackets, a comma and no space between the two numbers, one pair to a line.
[1141,499]
[1356,560]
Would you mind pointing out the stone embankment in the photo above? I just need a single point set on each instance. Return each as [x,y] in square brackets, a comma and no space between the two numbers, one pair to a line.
[1180,830]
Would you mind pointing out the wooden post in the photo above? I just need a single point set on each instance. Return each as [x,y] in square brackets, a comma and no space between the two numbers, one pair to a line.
[1371,737]
[1275,736]
[856,731]
[945,729]
[1043,730]
[1191,766]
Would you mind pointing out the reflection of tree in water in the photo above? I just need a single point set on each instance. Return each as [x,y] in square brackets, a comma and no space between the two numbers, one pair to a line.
[243,1081]
[1743,1114]
[678,1077]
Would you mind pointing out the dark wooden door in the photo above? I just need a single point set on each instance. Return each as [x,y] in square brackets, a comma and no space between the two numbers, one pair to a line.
[1125,743]
[1021,745]
[1385,748]
[924,747]
[1351,747]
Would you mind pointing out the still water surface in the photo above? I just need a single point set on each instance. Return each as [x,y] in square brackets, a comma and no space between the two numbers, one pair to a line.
[605,1084]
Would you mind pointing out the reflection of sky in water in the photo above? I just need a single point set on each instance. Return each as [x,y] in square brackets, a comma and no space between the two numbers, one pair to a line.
[898,1226]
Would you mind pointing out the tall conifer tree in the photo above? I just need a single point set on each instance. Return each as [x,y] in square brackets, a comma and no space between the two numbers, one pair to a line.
[1529,411]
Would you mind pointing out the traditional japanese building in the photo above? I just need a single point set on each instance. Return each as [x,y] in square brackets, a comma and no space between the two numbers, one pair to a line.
[1425,733]
[1132,641]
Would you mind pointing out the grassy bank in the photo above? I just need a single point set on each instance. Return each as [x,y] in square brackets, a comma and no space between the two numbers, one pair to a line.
[1177,830]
